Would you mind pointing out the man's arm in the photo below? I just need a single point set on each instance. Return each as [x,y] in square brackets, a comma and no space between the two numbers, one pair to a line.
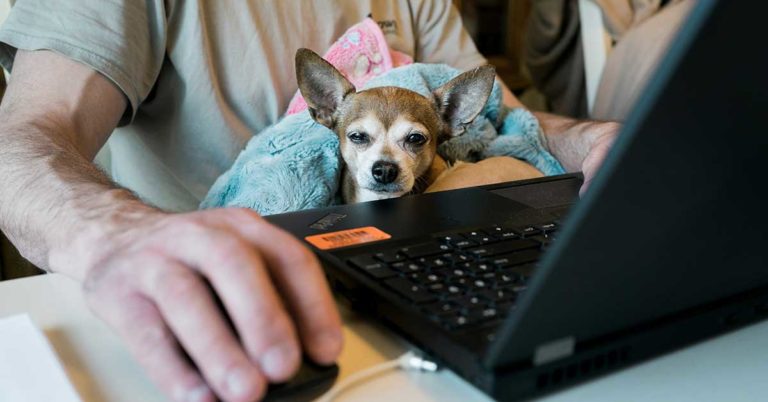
[579,145]
[146,272]
[51,126]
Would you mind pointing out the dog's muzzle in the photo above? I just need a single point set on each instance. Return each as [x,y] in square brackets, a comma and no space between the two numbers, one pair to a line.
[385,172]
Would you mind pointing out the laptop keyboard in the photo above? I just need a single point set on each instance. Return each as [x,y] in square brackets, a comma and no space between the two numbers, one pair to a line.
[462,280]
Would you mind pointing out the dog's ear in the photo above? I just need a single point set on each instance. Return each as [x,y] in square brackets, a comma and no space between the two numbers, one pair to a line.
[461,99]
[322,86]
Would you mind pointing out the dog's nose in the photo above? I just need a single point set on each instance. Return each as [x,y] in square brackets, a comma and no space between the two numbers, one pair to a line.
[385,172]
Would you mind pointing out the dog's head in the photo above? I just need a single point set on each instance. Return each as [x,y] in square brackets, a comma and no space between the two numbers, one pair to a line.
[389,135]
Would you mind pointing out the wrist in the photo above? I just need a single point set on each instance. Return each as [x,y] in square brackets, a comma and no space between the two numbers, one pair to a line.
[97,232]
[571,140]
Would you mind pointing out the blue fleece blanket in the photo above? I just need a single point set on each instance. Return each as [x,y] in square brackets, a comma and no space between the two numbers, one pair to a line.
[295,164]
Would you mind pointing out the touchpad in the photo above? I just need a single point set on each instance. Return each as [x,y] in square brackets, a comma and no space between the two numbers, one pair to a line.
[545,194]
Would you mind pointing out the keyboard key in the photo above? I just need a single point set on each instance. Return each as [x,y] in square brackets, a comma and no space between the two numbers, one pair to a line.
[490,277]
[458,272]
[482,314]
[483,267]
[463,243]
[448,239]
[479,237]
[544,240]
[489,313]
[434,262]
[451,258]
[365,262]
[389,256]
[410,290]
[381,273]
[372,267]
[426,278]
[481,251]
[497,295]
[488,239]
[504,247]
[493,230]
[470,301]
[514,245]
[441,308]
[459,321]
[518,258]
[528,231]
[454,290]
[507,278]
[425,249]
[438,288]
[461,282]
[406,266]
[504,233]
[548,227]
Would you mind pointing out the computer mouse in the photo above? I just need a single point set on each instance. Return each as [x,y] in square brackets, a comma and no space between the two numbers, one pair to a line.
[310,382]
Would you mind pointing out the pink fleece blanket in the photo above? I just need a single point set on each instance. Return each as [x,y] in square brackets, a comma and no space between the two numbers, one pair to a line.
[360,54]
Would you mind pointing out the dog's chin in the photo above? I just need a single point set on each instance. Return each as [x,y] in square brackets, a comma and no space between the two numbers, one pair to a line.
[382,192]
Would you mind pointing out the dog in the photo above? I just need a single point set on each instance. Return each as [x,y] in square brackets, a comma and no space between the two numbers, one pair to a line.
[389,135]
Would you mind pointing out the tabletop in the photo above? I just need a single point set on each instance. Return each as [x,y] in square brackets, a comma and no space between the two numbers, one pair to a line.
[732,367]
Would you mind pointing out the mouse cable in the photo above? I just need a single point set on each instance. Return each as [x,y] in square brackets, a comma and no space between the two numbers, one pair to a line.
[409,361]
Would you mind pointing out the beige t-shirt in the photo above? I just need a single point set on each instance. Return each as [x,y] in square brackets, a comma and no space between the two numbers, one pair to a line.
[204,76]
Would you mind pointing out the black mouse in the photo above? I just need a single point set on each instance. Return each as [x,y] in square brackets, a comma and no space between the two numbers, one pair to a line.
[311,381]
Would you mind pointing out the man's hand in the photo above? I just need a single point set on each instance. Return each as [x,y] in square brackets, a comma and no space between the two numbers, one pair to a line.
[152,275]
[579,145]
[152,286]
[596,154]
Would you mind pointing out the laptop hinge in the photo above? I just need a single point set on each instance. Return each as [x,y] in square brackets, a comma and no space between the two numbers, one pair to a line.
[555,350]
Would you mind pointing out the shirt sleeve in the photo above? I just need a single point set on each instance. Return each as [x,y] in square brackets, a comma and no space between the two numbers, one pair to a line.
[122,40]
[441,37]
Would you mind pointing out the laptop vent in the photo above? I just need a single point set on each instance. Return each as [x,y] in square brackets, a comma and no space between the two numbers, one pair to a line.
[586,367]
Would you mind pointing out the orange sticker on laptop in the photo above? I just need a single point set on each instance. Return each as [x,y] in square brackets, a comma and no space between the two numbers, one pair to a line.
[344,238]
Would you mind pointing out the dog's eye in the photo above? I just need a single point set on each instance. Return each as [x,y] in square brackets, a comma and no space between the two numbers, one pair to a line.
[358,137]
[416,139]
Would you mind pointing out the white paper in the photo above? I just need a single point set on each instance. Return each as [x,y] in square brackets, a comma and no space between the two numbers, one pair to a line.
[29,368]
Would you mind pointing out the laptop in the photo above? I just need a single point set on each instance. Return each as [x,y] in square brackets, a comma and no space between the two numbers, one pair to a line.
[524,288]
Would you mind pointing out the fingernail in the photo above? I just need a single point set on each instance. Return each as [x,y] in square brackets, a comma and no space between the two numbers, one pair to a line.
[198,394]
[278,361]
[330,342]
[238,382]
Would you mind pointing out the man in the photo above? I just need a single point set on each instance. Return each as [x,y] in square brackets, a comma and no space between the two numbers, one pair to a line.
[189,83]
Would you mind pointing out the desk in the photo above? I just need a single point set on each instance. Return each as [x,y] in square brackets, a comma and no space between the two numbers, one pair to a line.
[730,368]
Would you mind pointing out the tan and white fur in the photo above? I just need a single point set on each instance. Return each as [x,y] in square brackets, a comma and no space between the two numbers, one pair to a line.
[389,135]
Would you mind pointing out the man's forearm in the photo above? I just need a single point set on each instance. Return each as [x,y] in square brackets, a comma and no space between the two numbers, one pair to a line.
[51,195]
[54,203]
[571,140]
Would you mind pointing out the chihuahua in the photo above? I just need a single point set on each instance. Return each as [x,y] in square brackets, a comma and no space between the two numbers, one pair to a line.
[389,135]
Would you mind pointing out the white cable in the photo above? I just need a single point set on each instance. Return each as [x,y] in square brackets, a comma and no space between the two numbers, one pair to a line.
[409,361]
